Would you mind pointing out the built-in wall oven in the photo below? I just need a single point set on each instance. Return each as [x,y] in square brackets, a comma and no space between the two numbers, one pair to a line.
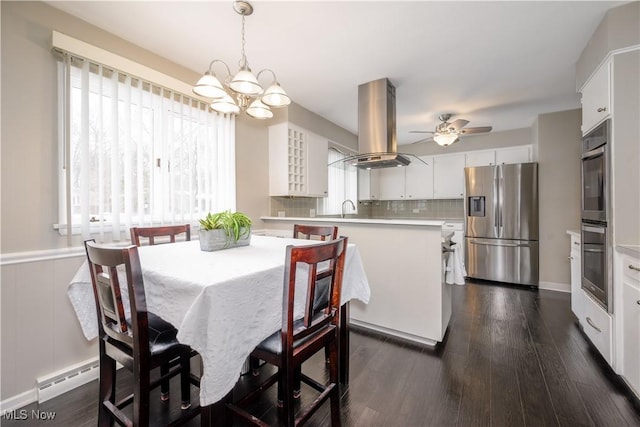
[596,241]
[596,263]
[595,170]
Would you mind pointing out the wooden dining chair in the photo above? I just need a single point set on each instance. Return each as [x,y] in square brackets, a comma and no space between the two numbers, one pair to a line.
[319,232]
[140,343]
[299,339]
[164,234]
[169,232]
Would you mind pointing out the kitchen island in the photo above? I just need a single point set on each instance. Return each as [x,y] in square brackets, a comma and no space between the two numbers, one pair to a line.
[403,262]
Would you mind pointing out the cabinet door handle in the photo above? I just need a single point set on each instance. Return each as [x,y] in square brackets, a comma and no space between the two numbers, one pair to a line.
[576,243]
[601,109]
[593,325]
[569,257]
[638,302]
[633,267]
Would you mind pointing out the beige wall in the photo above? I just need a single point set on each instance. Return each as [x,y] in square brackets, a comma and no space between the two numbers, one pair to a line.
[620,28]
[558,142]
[319,125]
[489,140]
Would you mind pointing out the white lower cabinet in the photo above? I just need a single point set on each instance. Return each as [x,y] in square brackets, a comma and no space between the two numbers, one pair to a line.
[457,228]
[576,275]
[630,345]
[597,325]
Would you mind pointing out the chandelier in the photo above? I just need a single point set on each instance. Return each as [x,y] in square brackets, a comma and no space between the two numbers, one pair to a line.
[243,91]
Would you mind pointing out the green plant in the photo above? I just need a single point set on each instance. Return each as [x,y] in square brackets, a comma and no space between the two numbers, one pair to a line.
[236,225]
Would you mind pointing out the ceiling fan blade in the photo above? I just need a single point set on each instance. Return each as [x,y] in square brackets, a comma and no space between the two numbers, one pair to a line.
[481,129]
[421,131]
[457,124]
[428,139]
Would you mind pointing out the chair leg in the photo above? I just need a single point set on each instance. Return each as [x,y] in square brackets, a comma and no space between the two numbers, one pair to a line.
[141,392]
[107,388]
[297,383]
[287,379]
[164,385]
[254,364]
[185,383]
[334,378]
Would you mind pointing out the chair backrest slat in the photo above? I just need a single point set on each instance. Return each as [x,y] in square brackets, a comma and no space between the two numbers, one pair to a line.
[168,231]
[105,264]
[318,232]
[299,259]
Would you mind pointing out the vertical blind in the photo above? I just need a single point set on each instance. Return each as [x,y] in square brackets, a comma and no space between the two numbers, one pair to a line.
[136,153]
[343,184]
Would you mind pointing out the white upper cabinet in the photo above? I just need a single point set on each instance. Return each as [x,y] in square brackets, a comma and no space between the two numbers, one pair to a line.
[480,158]
[520,154]
[499,156]
[392,183]
[448,176]
[368,184]
[317,167]
[412,182]
[596,98]
[419,179]
[297,162]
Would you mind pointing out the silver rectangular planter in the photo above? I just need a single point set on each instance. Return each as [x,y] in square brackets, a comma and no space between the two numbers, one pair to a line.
[215,240]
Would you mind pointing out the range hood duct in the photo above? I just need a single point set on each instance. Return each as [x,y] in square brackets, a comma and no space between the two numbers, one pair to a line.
[377,143]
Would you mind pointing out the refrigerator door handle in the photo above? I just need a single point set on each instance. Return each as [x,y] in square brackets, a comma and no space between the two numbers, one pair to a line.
[508,245]
[496,202]
[500,202]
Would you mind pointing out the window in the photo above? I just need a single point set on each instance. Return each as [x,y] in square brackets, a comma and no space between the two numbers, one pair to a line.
[343,184]
[137,153]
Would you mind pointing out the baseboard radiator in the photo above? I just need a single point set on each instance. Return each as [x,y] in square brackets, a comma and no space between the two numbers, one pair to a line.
[67,379]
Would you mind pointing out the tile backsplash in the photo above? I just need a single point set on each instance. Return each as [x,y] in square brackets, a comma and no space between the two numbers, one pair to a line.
[419,209]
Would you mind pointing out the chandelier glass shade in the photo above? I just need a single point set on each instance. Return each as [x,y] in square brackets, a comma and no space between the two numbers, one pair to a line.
[445,139]
[243,91]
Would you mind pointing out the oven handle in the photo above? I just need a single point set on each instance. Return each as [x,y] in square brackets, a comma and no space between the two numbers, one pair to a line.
[593,153]
[599,251]
[509,245]
[599,230]
[593,325]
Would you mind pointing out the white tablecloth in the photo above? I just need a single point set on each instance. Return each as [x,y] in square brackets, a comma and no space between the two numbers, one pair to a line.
[223,303]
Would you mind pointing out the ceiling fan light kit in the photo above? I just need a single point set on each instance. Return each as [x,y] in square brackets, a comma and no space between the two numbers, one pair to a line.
[446,139]
[447,133]
[243,91]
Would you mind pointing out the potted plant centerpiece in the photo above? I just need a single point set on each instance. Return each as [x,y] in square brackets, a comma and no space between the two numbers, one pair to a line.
[224,230]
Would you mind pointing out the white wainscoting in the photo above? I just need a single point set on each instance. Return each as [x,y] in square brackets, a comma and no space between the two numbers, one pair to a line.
[40,332]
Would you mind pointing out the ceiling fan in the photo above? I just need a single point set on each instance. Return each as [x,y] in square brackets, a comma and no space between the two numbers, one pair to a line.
[447,133]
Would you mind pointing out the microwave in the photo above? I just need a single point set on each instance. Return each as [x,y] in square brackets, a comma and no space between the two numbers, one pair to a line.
[595,174]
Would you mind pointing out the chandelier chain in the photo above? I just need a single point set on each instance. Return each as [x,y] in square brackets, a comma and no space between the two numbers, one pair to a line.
[243,57]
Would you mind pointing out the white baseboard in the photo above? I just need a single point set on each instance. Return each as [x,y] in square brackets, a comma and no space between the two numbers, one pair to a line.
[554,286]
[18,401]
[67,379]
[409,337]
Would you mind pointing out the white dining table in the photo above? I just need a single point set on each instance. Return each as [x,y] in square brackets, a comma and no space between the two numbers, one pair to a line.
[223,303]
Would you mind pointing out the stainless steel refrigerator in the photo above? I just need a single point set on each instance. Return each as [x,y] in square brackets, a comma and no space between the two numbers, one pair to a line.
[501,233]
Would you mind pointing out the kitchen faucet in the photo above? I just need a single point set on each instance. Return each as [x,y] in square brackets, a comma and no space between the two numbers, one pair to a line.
[352,206]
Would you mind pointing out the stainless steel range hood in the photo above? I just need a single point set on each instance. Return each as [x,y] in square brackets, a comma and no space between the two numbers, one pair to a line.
[377,143]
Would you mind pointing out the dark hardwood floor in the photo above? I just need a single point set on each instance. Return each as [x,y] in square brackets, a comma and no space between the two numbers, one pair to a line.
[512,357]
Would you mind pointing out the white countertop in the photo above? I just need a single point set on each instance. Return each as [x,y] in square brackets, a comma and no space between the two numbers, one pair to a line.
[432,223]
[575,233]
[631,250]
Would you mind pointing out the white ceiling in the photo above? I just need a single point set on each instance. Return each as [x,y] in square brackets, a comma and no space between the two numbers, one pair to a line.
[495,64]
